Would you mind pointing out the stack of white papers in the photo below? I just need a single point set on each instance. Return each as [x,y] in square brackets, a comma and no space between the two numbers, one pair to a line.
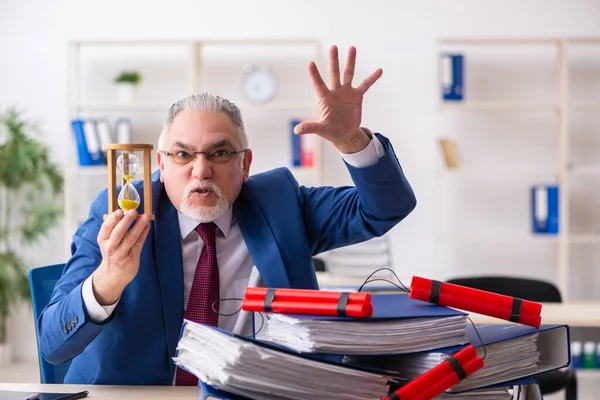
[261,371]
[504,361]
[346,336]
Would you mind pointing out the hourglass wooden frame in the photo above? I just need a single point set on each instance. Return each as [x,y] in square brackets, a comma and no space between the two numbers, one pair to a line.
[111,158]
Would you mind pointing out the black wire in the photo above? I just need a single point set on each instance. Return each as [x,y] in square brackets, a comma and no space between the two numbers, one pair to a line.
[262,317]
[225,299]
[262,323]
[480,339]
[384,280]
[402,286]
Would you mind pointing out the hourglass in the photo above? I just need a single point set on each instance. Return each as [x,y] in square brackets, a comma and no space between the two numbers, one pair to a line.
[128,165]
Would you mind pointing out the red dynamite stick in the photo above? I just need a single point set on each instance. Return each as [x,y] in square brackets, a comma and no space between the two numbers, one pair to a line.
[436,374]
[476,300]
[448,381]
[259,293]
[290,307]
[528,307]
[439,378]
[468,304]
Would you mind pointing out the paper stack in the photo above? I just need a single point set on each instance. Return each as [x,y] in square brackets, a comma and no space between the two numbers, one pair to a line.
[511,352]
[328,357]
[398,325]
[260,371]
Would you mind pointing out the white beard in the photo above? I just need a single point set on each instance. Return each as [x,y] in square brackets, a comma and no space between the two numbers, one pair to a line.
[203,214]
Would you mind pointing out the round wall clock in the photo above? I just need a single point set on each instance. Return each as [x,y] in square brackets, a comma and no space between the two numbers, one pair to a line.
[259,85]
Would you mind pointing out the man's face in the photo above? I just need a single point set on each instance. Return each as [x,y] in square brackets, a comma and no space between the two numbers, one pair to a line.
[203,189]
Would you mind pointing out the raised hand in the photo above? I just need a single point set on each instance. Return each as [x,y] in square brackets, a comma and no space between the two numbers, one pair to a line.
[121,248]
[340,104]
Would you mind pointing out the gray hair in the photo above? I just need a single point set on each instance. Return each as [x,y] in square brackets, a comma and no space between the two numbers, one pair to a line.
[209,103]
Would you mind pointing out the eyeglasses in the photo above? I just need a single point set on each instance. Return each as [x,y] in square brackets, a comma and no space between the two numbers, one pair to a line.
[220,156]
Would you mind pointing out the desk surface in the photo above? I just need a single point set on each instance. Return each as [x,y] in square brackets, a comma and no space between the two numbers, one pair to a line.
[573,314]
[101,392]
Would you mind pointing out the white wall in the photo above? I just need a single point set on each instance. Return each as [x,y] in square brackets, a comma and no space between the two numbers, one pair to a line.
[398,36]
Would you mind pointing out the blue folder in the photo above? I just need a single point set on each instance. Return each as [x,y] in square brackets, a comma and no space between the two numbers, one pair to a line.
[552,344]
[528,387]
[394,306]
[396,309]
[530,390]
[207,392]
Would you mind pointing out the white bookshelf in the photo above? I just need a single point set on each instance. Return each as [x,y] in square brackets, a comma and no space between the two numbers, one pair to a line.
[550,90]
[171,70]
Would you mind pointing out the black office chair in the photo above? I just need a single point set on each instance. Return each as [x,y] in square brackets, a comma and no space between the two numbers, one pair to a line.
[533,290]
[319,265]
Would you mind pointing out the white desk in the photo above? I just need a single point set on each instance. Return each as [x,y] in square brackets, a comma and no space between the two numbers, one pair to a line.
[101,392]
[583,314]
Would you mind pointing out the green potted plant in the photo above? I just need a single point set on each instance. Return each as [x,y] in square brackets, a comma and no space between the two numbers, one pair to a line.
[127,82]
[30,189]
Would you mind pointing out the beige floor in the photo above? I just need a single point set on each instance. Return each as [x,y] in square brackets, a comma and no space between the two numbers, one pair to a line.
[20,372]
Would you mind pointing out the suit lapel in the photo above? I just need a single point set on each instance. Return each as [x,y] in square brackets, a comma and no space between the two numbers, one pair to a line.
[260,241]
[169,265]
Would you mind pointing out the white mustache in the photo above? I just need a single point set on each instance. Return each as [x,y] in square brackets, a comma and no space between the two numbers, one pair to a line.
[198,184]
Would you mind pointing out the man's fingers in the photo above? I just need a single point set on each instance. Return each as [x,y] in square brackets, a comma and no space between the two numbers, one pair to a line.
[369,81]
[120,230]
[109,224]
[133,235]
[349,69]
[317,81]
[136,249]
[334,68]
[309,127]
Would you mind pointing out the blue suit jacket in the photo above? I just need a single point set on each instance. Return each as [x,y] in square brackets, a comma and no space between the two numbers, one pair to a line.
[283,226]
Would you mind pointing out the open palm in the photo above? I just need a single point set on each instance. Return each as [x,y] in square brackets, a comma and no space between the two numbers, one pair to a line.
[340,104]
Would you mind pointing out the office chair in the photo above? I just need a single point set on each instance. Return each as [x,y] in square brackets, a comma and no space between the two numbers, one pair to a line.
[319,264]
[41,285]
[533,290]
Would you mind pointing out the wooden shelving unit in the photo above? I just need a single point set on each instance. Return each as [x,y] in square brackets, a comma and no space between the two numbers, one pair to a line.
[177,69]
[560,105]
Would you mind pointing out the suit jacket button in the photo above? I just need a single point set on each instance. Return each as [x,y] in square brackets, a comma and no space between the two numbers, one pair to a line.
[75,319]
[65,329]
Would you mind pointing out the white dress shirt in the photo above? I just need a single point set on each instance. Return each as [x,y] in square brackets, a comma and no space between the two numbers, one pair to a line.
[233,257]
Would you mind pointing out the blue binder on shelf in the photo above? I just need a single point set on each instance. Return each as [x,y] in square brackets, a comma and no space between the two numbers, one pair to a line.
[544,209]
[296,144]
[87,141]
[452,76]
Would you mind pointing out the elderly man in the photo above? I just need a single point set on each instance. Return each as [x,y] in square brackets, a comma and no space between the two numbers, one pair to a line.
[117,311]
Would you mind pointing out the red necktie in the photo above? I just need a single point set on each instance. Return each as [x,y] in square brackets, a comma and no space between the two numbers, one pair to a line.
[204,295]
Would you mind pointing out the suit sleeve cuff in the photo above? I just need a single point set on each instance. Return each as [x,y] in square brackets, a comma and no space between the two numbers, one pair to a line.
[367,156]
[97,312]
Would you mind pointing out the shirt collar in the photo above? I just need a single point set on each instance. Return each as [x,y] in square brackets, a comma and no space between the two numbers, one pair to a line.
[187,225]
